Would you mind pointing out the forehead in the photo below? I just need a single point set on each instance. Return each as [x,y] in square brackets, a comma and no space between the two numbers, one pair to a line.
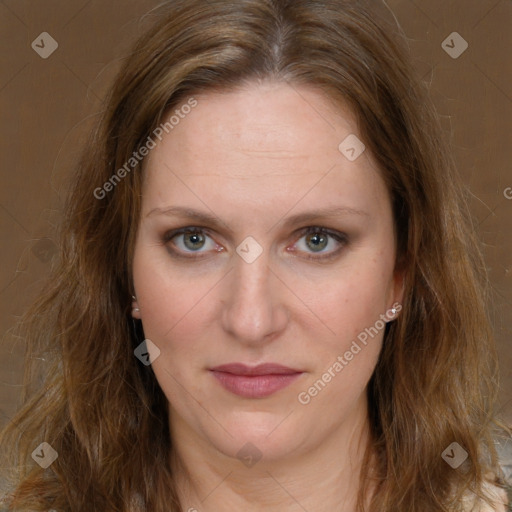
[265,117]
[265,142]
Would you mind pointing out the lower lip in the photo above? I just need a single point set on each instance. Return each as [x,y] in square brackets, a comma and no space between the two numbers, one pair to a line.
[254,386]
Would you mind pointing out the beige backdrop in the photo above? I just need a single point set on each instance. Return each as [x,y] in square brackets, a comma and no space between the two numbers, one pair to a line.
[47,105]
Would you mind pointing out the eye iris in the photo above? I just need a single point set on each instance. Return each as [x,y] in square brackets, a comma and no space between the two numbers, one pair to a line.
[319,241]
[195,238]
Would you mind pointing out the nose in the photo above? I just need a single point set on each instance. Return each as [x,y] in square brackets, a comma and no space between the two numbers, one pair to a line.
[254,312]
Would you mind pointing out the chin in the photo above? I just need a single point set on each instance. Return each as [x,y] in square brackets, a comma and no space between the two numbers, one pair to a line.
[261,434]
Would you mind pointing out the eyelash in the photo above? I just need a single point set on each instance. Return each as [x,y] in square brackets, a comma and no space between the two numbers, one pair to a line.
[341,238]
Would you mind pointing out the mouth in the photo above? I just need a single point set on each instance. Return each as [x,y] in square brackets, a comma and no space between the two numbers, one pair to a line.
[254,381]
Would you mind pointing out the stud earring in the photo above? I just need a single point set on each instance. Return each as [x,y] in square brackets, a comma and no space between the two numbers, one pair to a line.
[135,310]
[390,314]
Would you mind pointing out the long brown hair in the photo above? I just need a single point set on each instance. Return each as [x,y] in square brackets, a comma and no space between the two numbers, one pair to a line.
[435,382]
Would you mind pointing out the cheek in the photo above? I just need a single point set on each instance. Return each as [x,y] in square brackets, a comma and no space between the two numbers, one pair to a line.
[351,301]
[171,311]
[176,315]
[169,299]
[172,317]
[345,360]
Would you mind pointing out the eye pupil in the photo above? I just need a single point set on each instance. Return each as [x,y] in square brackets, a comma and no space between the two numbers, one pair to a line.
[194,238]
[319,241]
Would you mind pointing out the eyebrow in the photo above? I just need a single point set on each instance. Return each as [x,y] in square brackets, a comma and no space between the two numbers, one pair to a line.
[308,216]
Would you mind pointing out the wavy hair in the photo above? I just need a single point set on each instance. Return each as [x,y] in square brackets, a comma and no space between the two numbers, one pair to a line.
[436,379]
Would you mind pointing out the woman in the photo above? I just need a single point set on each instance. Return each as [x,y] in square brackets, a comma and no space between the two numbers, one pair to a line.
[269,295]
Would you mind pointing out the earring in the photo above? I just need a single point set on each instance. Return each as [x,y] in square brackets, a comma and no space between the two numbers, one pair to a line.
[135,310]
[391,317]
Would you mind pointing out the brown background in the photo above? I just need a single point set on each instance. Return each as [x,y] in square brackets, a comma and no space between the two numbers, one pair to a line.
[47,106]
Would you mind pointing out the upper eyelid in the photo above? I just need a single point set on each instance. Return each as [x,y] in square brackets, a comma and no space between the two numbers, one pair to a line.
[301,231]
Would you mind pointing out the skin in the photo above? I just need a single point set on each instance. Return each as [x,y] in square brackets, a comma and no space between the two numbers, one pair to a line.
[253,158]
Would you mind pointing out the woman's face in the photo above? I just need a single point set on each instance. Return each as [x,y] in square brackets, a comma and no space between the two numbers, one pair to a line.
[289,261]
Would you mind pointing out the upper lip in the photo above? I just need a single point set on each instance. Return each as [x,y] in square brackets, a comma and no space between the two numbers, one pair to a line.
[261,369]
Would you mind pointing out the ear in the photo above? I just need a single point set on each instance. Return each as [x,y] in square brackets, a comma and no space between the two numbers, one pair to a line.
[135,308]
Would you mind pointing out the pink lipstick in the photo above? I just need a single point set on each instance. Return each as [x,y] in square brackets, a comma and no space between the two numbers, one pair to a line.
[256,381]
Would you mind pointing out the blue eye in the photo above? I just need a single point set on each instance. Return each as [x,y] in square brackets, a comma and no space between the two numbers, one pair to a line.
[192,240]
[189,240]
[317,239]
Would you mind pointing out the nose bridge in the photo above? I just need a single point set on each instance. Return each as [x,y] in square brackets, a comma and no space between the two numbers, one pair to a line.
[251,279]
[252,310]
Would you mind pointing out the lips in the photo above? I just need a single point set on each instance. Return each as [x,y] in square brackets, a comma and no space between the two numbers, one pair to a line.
[254,381]
[261,369]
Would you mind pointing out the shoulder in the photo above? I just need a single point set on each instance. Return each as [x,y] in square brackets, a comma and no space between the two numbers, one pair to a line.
[497,496]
